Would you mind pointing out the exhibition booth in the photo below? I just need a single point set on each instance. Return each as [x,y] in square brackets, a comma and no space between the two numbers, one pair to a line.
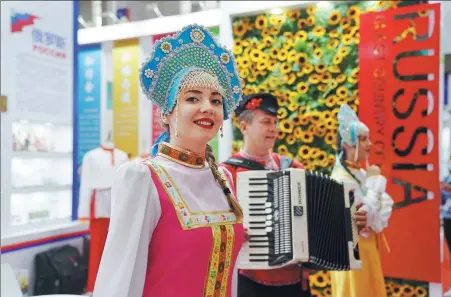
[73,111]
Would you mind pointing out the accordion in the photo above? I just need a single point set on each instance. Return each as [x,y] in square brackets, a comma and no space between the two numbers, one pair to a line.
[296,216]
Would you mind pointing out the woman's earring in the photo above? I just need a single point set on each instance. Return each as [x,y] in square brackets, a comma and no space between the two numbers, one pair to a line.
[222,133]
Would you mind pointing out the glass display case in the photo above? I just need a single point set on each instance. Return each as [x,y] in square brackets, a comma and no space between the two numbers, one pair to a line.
[41,173]
[36,207]
[41,137]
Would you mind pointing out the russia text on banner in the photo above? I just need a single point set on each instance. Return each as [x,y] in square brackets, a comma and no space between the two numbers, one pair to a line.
[87,136]
[125,95]
[399,90]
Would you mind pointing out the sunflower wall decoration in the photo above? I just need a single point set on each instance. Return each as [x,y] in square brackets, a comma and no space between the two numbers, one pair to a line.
[308,58]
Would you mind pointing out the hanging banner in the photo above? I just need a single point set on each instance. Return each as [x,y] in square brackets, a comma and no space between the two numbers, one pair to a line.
[125,95]
[399,90]
[87,135]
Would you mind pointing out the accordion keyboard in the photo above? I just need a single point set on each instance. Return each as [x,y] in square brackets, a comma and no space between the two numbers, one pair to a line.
[295,216]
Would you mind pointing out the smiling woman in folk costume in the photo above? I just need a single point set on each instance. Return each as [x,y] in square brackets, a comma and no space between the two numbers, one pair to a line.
[354,145]
[175,225]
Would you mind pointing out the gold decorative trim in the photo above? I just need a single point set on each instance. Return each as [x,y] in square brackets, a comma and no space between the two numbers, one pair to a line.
[187,218]
[220,261]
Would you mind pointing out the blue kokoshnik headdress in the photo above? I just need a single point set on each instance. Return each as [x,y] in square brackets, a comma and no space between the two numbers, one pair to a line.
[174,58]
[350,128]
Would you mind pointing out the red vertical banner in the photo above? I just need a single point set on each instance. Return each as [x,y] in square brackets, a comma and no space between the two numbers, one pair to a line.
[399,57]
[157,129]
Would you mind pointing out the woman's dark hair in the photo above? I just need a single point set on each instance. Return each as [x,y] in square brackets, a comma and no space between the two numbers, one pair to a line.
[341,149]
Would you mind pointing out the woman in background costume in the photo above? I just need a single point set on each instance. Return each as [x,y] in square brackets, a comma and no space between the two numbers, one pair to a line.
[175,225]
[354,144]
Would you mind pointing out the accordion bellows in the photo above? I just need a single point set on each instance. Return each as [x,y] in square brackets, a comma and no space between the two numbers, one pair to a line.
[295,216]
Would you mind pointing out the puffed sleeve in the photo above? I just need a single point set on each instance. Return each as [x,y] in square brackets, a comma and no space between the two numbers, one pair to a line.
[382,202]
[135,212]
[359,197]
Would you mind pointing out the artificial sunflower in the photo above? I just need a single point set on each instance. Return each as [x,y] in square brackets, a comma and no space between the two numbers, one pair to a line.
[319,31]
[290,78]
[239,29]
[327,292]
[331,159]
[301,59]
[353,12]
[262,65]
[320,67]
[345,23]
[322,87]
[341,78]
[255,55]
[292,107]
[331,100]
[282,149]
[268,41]
[325,77]
[334,69]
[334,33]
[261,22]
[332,44]
[420,292]
[286,126]
[332,84]
[285,68]
[329,138]
[282,55]
[291,139]
[344,51]
[334,18]
[318,281]
[304,152]
[307,137]
[302,24]
[318,53]
[342,92]
[311,20]
[314,79]
[276,20]
[297,132]
[311,10]
[337,59]
[308,68]
[302,87]
[281,135]
[407,291]
[301,35]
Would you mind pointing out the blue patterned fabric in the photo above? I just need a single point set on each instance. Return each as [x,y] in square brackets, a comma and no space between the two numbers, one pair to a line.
[347,125]
[173,57]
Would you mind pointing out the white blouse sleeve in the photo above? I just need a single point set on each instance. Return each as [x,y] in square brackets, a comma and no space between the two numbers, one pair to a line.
[135,211]
[383,202]
[368,206]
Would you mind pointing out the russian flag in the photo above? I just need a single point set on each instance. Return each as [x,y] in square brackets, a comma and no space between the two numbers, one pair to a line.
[20,20]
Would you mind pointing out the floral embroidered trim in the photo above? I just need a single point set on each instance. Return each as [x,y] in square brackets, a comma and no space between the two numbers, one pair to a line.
[181,156]
[220,260]
[254,103]
[187,218]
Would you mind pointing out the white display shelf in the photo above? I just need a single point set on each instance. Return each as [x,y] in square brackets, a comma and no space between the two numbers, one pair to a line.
[33,155]
[45,189]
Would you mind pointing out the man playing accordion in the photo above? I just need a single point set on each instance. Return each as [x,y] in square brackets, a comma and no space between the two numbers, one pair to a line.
[257,116]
